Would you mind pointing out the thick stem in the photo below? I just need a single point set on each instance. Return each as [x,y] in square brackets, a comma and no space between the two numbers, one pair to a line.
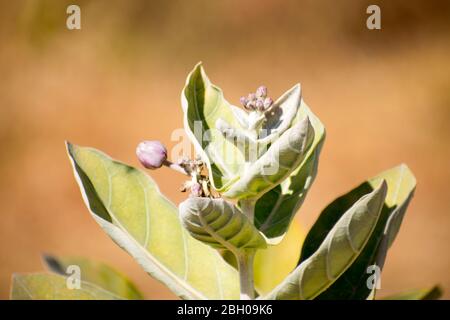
[248,208]
[245,264]
[245,257]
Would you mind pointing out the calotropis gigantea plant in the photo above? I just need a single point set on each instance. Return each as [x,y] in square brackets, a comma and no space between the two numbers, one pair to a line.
[253,169]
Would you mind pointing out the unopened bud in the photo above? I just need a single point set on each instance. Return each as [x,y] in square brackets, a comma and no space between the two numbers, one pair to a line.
[259,104]
[151,154]
[243,101]
[261,92]
[268,103]
[251,97]
[250,105]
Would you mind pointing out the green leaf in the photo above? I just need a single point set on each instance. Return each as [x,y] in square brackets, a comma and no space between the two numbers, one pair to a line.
[336,253]
[275,209]
[54,287]
[220,224]
[97,273]
[203,105]
[432,293]
[283,156]
[284,112]
[130,208]
[353,283]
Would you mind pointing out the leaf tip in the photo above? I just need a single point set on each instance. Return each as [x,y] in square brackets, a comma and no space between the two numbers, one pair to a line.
[198,69]
[405,168]
[382,188]
[69,147]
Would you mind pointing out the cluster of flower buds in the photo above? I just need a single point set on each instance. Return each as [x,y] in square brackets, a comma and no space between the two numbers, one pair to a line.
[153,155]
[258,101]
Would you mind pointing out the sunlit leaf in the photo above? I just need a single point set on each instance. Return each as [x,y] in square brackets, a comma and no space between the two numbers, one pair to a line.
[276,164]
[203,105]
[275,209]
[336,253]
[220,224]
[43,286]
[353,283]
[97,273]
[130,208]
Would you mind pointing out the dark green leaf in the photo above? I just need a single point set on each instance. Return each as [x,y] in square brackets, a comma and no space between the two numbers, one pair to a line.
[353,283]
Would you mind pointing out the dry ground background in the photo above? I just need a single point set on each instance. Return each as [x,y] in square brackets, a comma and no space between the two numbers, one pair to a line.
[384,97]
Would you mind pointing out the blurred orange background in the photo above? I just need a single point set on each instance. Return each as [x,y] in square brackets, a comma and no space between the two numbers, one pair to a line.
[383,95]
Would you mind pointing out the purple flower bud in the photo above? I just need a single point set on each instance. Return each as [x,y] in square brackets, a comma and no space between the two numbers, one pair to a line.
[268,103]
[251,97]
[196,189]
[259,104]
[250,105]
[261,92]
[243,101]
[151,154]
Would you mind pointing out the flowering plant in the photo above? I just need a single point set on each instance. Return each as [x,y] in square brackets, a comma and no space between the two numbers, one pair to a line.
[253,170]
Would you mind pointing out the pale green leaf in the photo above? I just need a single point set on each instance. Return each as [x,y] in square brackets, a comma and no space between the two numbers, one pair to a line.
[337,252]
[220,224]
[130,208]
[353,283]
[97,273]
[275,210]
[283,156]
[203,105]
[281,115]
[43,286]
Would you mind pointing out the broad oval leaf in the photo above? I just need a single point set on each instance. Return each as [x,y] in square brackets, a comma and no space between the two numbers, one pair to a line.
[203,105]
[283,156]
[42,286]
[130,208]
[336,253]
[97,273]
[220,224]
[275,210]
[353,283]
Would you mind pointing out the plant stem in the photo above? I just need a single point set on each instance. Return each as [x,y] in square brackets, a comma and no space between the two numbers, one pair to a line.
[245,257]
[245,264]
[175,167]
[248,208]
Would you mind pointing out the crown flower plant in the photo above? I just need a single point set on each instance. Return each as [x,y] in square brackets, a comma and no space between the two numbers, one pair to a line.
[253,168]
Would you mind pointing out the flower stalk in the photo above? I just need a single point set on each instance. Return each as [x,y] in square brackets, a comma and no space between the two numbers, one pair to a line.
[245,257]
[245,266]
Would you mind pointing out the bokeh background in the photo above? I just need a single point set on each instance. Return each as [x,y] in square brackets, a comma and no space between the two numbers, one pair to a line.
[383,95]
